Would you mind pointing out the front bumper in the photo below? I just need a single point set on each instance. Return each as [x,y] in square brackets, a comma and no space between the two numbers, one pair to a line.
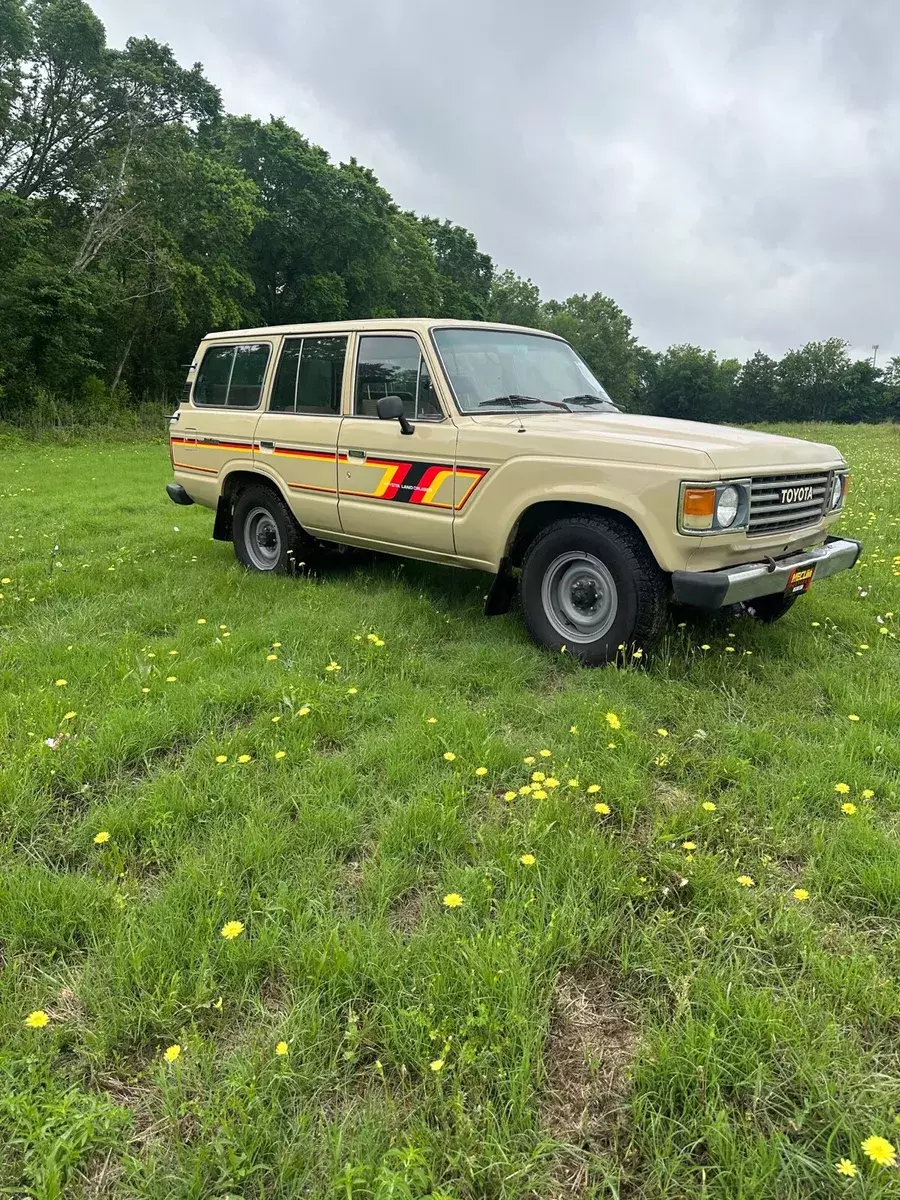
[717,589]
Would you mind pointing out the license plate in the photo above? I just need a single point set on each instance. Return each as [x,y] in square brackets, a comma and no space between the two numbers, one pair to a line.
[800,580]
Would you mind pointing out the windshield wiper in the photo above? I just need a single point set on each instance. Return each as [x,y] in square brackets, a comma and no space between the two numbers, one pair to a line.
[513,399]
[590,399]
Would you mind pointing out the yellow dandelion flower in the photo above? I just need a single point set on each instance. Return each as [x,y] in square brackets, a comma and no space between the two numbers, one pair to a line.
[800,894]
[527,860]
[573,729]
[708,806]
[333,666]
[603,809]
[281,1049]
[271,658]
[173,653]
[352,691]
[431,721]
[276,645]
[304,711]
[880,1150]
[453,900]
[867,794]
[848,809]
[845,1167]
[613,721]
[509,796]
[69,716]
[593,787]
[705,646]
[245,758]
[37,1019]
[662,732]
[539,794]
[221,758]
[170,679]
[842,788]
[101,837]
[538,776]
[280,753]
[201,620]
[231,929]
[6,579]
[852,717]
[526,789]
[746,881]
[450,756]
[61,682]
[437,1065]
[529,761]
[546,753]
[481,770]
[550,782]
[689,845]
[172,1053]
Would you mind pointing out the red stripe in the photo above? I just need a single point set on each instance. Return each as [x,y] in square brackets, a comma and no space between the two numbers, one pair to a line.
[391,490]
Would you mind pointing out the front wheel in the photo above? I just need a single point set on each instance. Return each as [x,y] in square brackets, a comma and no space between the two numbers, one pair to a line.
[266,536]
[590,584]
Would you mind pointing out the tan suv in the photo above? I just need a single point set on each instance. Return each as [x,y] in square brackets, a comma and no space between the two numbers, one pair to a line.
[494,447]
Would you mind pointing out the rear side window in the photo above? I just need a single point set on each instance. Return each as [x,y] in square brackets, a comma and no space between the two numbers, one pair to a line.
[310,376]
[232,376]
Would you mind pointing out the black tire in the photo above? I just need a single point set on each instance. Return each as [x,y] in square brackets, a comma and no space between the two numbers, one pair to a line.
[597,569]
[769,608]
[266,536]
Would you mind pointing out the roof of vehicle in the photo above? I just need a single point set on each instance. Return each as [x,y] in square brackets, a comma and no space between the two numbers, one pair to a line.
[422,324]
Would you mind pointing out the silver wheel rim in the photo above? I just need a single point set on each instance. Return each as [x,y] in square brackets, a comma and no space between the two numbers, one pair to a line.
[262,539]
[579,596]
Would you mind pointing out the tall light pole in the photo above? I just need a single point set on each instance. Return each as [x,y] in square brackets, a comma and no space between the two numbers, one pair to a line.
[874,353]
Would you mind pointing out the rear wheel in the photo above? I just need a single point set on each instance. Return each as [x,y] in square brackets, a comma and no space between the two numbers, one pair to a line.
[266,536]
[591,585]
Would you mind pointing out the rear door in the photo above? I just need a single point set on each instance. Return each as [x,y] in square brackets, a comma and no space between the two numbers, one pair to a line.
[395,489]
[216,427]
[297,436]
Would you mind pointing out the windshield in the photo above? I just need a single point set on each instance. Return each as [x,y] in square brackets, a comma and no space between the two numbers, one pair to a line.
[498,370]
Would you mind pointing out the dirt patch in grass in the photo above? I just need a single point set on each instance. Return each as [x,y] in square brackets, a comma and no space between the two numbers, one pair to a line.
[670,796]
[590,1045]
[406,912]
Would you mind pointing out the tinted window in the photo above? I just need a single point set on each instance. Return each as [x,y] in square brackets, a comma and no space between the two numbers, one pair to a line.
[310,375]
[393,366]
[232,376]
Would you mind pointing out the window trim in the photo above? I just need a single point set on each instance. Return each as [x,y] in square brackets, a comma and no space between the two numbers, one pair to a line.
[263,387]
[396,333]
[301,338]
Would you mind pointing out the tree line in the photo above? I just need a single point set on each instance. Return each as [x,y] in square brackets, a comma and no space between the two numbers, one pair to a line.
[136,215]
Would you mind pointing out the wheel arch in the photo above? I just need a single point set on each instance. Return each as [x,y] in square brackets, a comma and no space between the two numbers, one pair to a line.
[231,486]
[537,516]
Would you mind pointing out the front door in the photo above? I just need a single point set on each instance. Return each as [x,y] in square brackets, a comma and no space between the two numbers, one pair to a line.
[297,436]
[396,489]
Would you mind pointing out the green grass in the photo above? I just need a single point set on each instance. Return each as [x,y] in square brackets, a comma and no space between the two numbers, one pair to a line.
[621,1018]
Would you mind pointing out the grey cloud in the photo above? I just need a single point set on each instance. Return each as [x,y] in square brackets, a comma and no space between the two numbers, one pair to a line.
[726,169]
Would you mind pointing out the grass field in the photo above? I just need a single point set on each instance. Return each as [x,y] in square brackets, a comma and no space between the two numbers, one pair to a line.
[630,1001]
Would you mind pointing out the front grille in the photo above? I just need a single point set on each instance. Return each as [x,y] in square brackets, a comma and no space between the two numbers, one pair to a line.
[779,503]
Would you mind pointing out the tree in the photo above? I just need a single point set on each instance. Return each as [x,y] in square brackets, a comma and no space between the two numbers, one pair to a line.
[601,333]
[464,273]
[756,393]
[691,384]
[515,301]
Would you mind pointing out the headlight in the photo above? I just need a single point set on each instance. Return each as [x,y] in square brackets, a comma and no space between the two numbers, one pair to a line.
[714,507]
[837,492]
[728,503]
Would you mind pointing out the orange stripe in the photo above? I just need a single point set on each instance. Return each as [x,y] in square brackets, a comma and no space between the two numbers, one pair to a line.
[188,467]
[311,487]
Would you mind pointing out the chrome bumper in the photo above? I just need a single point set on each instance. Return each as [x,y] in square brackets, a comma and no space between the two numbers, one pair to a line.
[716,589]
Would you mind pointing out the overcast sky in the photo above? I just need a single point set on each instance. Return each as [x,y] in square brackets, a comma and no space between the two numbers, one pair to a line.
[727,170]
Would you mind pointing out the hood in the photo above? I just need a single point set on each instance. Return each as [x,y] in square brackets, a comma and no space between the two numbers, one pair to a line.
[730,450]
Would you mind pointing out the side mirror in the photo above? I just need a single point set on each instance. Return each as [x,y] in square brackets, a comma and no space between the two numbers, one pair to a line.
[390,408]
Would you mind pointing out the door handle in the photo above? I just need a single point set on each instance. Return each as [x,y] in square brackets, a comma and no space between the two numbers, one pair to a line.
[267,445]
[357,455]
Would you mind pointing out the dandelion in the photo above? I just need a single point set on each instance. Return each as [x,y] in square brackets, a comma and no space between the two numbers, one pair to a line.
[592,788]
[867,794]
[101,837]
[842,788]
[69,716]
[6,579]
[550,782]
[848,809]
[880,1150]
[276,645]
[613,721]
[708,806]
[527,860]
[173,653]
[245,758]
[453,900]
[800,894]
[333,666]
[232,929]
[529,761]
[352,691]
[281,1049]
[689,845]
[538,777]
[437,1065]
[546,753]
[172,1053]
[271,658]
[852,717]
[663,733]
[221,758]
[526,789]
[170,679]
[481,770]
[37,1019]
[746,881]
[280,753]
[145,690]
[61,682]
[845,1167]
[509,796]
[431,721]
[573,729]
[201,620]
[573,783]
[539,794]
[603,809]
[450,756]
[705,646]
[304,711]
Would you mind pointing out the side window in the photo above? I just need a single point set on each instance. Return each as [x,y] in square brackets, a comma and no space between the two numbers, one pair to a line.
[232,376]
[393,366]
[310,376]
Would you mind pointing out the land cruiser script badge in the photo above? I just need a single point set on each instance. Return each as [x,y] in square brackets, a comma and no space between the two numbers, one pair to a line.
[796,495]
